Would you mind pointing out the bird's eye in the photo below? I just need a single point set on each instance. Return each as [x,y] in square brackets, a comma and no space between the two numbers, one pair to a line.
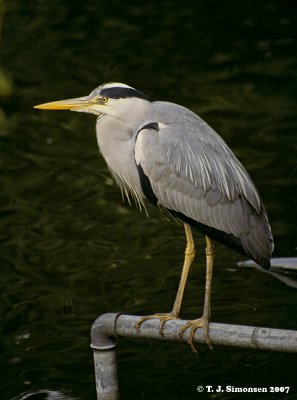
[99,99]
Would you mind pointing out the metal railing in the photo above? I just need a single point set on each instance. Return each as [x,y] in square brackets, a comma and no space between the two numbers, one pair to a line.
[108,327]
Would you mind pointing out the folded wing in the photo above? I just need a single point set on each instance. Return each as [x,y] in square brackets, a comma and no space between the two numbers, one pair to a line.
[194,174]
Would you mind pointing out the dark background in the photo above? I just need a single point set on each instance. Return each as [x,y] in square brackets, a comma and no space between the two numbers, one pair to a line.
[71,250]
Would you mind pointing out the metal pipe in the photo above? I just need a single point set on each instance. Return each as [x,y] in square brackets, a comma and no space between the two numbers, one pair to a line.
[109,326]
[103,342]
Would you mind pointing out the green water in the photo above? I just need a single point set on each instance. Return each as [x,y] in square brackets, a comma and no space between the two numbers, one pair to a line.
[71,250]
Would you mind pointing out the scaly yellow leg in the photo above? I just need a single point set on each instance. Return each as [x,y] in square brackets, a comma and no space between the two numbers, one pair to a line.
[188,260]
[204,320]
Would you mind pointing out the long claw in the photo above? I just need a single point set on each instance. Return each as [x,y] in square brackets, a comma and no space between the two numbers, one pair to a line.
[194,325]
[163,317]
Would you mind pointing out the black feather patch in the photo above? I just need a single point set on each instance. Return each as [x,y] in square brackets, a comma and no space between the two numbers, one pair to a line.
[146,186]
[151,125]
[119,92]
[144,180]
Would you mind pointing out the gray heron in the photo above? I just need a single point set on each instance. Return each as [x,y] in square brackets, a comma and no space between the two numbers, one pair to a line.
[166,154]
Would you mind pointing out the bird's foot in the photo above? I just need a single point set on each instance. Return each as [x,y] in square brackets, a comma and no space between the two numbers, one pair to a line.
[194,325]
[163,317]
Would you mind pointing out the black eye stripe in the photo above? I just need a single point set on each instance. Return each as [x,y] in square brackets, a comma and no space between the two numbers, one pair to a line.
[122,93]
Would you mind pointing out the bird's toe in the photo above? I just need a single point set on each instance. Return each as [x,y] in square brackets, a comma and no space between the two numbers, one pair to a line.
[163,318]
[193,325]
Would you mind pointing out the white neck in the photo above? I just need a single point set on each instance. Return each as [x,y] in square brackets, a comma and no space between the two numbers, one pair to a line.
[116,141]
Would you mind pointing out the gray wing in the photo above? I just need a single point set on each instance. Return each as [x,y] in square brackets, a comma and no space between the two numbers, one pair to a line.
[192,171]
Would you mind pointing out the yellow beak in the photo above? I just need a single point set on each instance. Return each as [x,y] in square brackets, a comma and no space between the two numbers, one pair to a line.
[70,104]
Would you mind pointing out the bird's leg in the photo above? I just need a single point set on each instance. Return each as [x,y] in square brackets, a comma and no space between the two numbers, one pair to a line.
[189,258]
[174,314]
[204,320]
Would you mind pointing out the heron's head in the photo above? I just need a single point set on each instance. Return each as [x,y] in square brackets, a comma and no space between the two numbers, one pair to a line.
[115,99]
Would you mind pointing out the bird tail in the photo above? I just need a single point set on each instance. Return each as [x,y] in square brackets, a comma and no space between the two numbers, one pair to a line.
[258,243]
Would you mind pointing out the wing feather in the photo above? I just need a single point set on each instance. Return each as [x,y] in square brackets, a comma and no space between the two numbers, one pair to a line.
[193,172]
